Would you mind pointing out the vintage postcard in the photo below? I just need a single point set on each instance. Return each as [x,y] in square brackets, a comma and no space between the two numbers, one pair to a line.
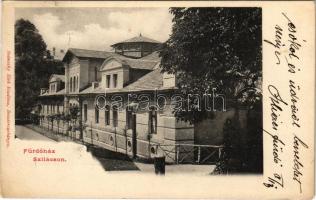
[148,99]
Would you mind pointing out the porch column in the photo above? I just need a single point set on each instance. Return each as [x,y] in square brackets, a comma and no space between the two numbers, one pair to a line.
[80,118]
[66,105]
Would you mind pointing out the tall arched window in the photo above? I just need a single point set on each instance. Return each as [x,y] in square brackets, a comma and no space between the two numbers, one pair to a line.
[74,83]
[129,118]
[96,115]
[107,115]
[77,82]
[70,84]
[115,117]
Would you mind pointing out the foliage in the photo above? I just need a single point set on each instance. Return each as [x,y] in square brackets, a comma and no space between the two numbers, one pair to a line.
[231,158]
[74,112]
[35,117]
[49,117]
[33,66]
[214,48]
[254,149]
[66,117]
[219,48]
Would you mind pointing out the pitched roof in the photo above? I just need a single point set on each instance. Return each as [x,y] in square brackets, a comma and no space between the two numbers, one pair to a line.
[151,81]
[85,53]
[98,90]
[58,76]
[148,62]
[140,64]
[58,93]
[154,56]
[136,39]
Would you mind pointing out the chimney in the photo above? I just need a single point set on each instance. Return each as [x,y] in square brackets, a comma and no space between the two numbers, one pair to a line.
[54,52]
[169,80]
[95,85]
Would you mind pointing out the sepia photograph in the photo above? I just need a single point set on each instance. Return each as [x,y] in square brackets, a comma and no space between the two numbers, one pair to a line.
[157,90]
[147,99]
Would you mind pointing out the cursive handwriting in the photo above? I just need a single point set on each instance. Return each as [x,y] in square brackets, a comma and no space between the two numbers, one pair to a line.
[286,44]
[276,102]
[275,181]
[294,44]
[297,166]
[294,99]
[278,145]
[277,43]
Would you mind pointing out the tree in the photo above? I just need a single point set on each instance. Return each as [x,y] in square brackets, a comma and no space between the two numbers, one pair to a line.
[32,66]
[218,48]
[214,48]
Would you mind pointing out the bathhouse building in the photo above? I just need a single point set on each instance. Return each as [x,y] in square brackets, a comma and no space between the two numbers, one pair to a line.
[125,104]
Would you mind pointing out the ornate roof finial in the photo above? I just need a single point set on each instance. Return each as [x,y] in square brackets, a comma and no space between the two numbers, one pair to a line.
[140,34]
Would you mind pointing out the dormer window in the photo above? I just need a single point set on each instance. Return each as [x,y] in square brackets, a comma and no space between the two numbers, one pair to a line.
[114,80]
[108,81]
[56,83]
[52,88]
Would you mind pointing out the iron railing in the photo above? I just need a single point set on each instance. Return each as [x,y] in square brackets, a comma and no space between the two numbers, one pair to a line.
[190,153]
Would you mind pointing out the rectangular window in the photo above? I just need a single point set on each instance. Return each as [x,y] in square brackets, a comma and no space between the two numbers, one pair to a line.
[115,117]
[114,80]
[153,122]
[107,116]
[129,119]
[108,81]
[85,112]
[96,115]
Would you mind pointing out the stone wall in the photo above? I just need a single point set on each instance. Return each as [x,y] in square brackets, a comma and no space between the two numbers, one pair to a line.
[210,131]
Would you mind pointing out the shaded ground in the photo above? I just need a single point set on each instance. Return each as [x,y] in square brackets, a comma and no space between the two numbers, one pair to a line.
[25,133]
[117,165]
[112,161]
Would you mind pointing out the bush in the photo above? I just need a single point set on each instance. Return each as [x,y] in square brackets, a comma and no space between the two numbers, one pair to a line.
[231,158]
